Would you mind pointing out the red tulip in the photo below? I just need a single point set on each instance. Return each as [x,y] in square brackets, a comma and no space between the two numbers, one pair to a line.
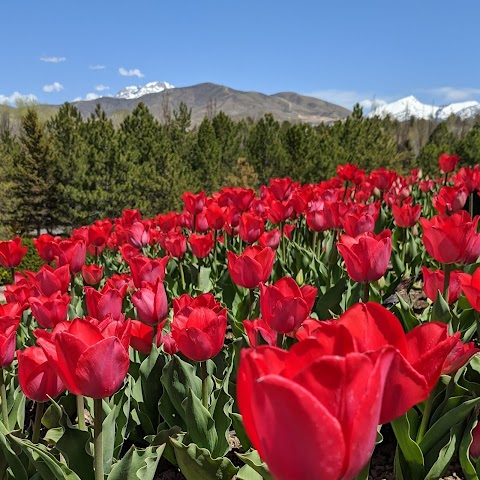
[194,203]
[8,335]
[419,357]
[458,357]
[129,217]
[167,341]
[151,303]
[367,255]
[72,253]
[92,274]
[48,311]
[356,223]
[350,173]
[147,270]
[452,239]
[138,235]
[185,303]
[142,337]
[176,244]
[450,199]
[270,239]
[201,245]
[253,266]
[471,288]
[46,246]
[332,401]
[281,188]
[104,303]
[284,305]
[251,227]
[200,334]
[433,282]
[37,376]
[447,163]
[49,281]
[256,327]
[406,216]
[216,216]
[12,252]
[90,361]
[279,211]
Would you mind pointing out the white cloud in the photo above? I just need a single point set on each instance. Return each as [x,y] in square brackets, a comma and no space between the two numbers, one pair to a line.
[91,96]
[347,98]
[452,94]
[77,99]
[53,87]
[17,97]
[97,67]
[53,59]
[101,88]
[134,72]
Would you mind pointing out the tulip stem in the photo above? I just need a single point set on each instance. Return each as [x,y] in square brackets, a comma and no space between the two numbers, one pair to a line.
[182,275]
[203,367]
[38,422]
[251,300]
[426,416]
[366,292]
[81,413]
[98,438]
[12,270]
[280,339]
[282,237]
[446,281]
[3,395]
[470,205]
[215,234]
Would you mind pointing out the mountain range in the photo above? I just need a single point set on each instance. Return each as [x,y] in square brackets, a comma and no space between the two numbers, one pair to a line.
[209,98]
[409,107]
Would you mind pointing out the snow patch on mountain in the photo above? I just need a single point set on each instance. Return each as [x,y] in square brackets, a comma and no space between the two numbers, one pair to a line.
[134,91]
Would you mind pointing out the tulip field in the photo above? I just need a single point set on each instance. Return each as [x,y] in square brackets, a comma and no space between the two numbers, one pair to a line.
[254,335]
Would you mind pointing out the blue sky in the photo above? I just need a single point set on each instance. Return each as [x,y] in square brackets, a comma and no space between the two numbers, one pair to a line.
[342,51]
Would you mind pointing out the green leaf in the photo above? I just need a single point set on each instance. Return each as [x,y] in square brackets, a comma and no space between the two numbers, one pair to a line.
[178,378]
[441,455]
[441,310]
[253,460]
[12,460]
[204,282]
[442,426]
[197,464]
[248,473]
[45,463]
[137,464]
[464,450]
[200,424]
[411,451]
[240,431]
[330,301]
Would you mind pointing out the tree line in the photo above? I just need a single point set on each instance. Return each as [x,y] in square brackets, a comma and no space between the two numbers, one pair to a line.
[68,170]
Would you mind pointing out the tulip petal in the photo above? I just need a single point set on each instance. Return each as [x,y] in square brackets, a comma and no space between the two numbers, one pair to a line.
[102,368]
[294,425]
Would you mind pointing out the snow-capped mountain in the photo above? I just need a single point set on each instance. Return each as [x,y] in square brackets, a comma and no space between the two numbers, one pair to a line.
[408,107]
[139,91]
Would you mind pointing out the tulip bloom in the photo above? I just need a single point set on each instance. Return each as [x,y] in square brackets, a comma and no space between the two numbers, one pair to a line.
[367,255]
[450,199]
[200,334]
[447,163]
[142,337]
[176,244]
[151,303]
[48,311]
[37,376]
[253,266]
[194,203]
[271,238]
[251,227]
[313,397]
[46,245]
[201,245]
[419,355]
[138,235]
[433,283]
[101,304]
[92,274]
[406,216]
[90,361]
[356,223]
[256,327]
[72,253]
[471,288]
[12,252]
[452,239]
[8,336]
[284,305]
[147,270]
[185,303]
[49,281]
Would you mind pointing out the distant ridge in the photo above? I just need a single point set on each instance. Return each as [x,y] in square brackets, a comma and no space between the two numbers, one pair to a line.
[207,98]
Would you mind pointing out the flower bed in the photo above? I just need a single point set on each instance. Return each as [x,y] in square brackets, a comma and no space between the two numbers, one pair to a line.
[251,336]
